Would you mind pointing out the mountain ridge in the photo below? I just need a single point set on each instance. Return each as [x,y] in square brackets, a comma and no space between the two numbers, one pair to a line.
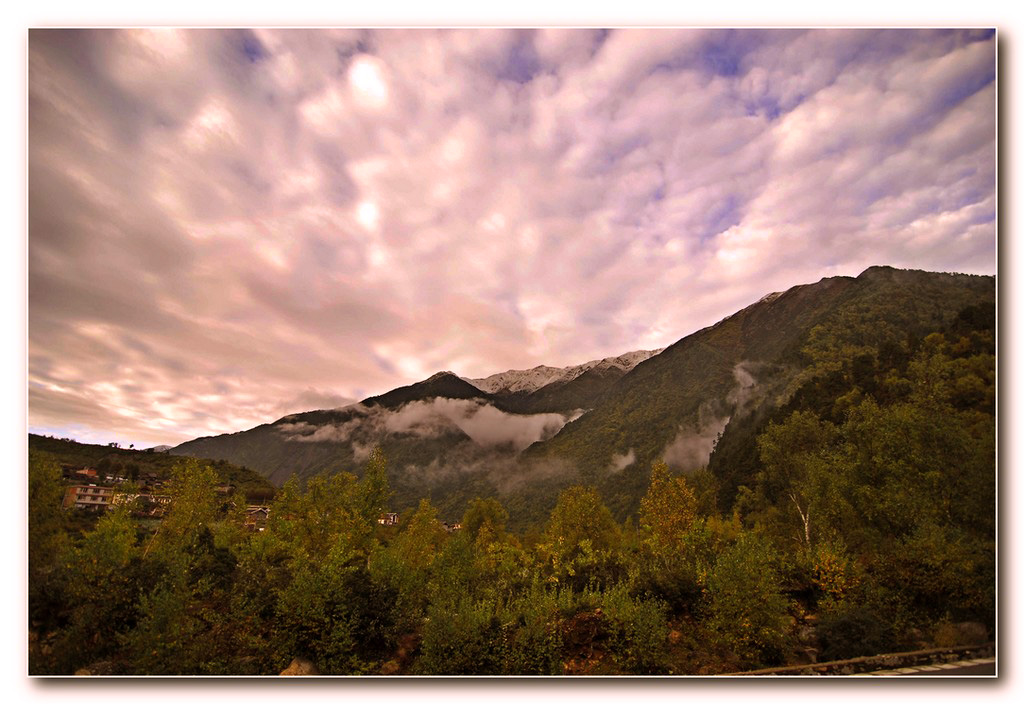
[533,379]
[599,422]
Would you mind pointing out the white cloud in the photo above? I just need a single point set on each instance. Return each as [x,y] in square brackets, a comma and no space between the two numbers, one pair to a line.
[354,210]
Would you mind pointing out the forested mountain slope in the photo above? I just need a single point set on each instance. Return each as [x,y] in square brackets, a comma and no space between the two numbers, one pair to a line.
[700,402]
[734,373]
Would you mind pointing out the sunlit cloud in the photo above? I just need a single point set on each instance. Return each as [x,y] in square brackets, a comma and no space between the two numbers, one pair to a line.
[226,226]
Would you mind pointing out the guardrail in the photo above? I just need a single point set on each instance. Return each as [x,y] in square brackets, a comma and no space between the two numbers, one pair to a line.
[888,661]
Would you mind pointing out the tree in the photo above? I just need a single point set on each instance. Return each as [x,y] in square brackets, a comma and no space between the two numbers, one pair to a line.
[193,507]
[98,588]
[374,488]
[580,515]
[580,539]
[484,514]
[406,565]
[796,455]
[419,543]
[45,516]
[334,613]
[667,510]
[311,520]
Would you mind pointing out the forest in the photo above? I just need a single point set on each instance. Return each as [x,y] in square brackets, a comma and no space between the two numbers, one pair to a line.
[867,525]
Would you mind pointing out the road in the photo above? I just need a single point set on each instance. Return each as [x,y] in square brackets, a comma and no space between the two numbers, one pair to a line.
[985,667]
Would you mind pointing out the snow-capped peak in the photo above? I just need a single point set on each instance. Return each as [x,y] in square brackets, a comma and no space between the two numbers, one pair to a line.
[529,380]
[440,375]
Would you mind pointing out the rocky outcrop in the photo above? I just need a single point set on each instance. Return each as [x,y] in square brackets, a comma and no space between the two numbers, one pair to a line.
[300,667]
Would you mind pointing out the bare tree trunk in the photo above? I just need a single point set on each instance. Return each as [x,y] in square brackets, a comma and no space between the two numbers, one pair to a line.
[805,517]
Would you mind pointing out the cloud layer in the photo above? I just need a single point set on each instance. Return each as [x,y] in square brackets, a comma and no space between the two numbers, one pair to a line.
[226,226]
[486,425]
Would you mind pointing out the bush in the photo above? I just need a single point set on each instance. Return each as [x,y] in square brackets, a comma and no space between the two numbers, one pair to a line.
[637,632]
[745,609]
[521,637]
[459,638]
[851,632]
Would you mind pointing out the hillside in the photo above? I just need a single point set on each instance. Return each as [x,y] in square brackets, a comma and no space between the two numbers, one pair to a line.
[739,371]
[159,463]
[700,402]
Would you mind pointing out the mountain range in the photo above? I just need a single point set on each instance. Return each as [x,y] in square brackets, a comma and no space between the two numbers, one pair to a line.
[521,435]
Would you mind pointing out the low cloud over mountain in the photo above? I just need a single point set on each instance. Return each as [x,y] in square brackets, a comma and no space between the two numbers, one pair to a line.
[486,425]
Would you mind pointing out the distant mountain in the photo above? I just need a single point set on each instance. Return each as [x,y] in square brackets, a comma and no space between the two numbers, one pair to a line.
[517,381]
[522,434]
[440,385]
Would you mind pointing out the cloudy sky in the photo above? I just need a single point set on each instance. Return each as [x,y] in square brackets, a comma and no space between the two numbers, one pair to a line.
[226,226]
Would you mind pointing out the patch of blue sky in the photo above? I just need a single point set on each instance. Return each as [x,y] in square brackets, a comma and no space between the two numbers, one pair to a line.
[724,53]
[966,88]
[346,50]
[613,151]
[253,48]
[767,106]
[982,217]
[721,217]
[521,63]
[600,36]
[940,106]
[383,364]
[970,197]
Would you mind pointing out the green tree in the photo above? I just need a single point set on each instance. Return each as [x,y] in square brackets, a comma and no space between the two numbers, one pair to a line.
[98,586]
[311,520]
[193,508]
[334,613]
[374,489]
[46,519]
[485,514]
[580,542]
[667,510]
[406,565]
[746,610]
[797,459]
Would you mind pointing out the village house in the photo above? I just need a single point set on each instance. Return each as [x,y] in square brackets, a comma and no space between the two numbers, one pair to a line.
[256,517]
[86,472]
[388,519]
[147,505]
[70,471]
[90,497]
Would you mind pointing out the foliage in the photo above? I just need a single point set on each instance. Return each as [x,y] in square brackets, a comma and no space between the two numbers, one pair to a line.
[851,631]
[638,632]
[335,613]
[746,610]
[667,510]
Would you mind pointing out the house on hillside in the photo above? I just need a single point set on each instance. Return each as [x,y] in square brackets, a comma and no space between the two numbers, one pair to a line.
[70,471]
[388,519]
[89,497]
[146,505]
[256,517]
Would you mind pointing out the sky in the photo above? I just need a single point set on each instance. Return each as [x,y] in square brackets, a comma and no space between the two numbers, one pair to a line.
[227,226]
